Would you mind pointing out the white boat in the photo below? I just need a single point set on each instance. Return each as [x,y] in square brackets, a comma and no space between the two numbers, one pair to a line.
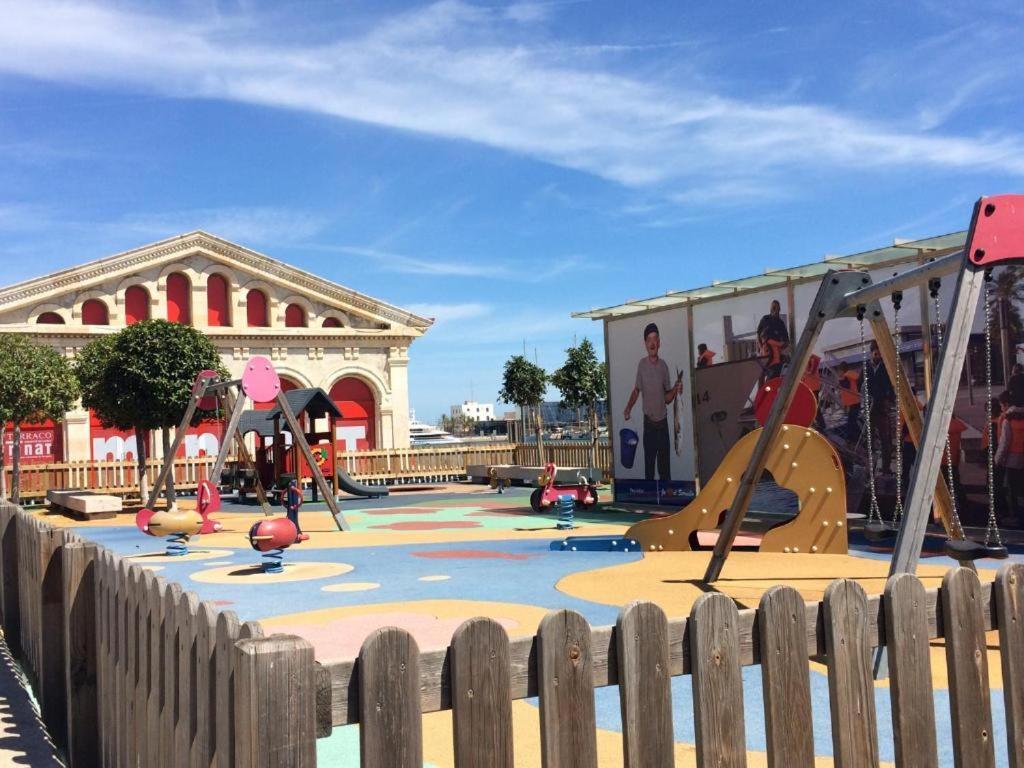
[428,434]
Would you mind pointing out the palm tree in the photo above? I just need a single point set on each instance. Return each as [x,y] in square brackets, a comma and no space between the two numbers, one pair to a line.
[1005,298]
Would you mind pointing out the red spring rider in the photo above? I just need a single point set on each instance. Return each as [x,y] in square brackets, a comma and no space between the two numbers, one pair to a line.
[272,537]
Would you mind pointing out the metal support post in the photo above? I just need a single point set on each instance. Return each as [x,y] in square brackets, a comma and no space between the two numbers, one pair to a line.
[829,303]
[299,439]
[936,421]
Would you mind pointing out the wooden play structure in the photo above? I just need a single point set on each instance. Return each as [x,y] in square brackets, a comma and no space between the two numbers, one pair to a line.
[261,384]
[995,238]
[800,460]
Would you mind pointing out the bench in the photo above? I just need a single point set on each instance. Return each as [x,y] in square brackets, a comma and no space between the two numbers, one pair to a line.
[84,505]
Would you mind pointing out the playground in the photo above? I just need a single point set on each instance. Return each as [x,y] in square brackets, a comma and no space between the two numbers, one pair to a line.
[492,608]
[427,562]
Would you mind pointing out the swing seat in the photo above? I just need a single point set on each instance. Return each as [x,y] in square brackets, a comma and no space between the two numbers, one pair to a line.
[880,531]
[966,550]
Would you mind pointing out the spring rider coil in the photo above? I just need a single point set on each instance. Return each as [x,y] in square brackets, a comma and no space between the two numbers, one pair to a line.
[272,537]
[566,507]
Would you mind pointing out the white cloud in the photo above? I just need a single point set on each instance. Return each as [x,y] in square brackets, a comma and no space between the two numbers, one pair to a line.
[444,313]
[257,224]
[413,265]
[450,70]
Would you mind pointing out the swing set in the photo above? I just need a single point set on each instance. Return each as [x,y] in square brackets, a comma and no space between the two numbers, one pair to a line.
[995,238]
[261,384]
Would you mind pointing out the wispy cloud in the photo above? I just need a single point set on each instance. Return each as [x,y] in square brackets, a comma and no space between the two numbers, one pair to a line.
[455,70]
[252,225]
[446,313]
[401,263]
[413,265]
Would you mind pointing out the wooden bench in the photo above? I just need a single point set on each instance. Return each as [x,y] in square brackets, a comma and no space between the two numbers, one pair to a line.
[84,505]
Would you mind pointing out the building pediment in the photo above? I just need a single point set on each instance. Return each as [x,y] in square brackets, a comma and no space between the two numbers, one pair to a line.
[202,253]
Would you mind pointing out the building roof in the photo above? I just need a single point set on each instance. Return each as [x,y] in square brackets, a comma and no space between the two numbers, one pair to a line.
[313,401]
[899,252]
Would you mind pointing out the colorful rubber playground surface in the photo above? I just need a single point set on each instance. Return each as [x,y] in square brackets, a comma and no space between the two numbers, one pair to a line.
[426,562]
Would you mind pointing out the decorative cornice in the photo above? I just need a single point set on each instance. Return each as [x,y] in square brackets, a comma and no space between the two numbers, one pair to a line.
[232,253]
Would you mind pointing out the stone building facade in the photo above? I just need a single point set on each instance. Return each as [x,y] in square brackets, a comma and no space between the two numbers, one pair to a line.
[317,333]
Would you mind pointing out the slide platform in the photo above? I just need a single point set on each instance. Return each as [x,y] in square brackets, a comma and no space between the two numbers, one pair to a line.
[348,485]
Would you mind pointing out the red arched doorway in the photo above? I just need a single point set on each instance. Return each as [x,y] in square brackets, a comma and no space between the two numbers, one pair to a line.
[357,427]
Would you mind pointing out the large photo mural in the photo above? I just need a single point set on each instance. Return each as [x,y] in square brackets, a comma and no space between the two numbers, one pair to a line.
[651,416]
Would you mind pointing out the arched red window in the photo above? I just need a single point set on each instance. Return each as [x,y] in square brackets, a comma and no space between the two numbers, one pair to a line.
[332,322]
[295,316]
[218,311]
[179,299]
[256,308]
[136,305]
[357,427]
[50,318]
[94,312]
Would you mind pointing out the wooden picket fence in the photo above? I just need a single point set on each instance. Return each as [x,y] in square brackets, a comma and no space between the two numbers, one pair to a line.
[394,465]
[131,670]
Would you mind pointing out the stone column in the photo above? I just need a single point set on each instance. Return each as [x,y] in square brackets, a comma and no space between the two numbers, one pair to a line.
[398,375]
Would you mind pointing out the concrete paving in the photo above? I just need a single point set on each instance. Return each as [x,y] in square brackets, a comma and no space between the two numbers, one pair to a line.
[23,738]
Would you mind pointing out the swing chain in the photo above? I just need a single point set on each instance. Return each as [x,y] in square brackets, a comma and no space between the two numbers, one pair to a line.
[958,530]
[897,514]
[992,535]
[865,409]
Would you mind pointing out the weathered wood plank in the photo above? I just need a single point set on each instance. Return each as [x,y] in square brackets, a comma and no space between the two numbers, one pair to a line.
[391,727]
[53,692]
[102,582]
[643,652]
[206,689]
[79,630]
[568,732]
[967,665]
[323,702]
[143,591]
[481,706]
[1009,601]
[185,714]
[223,676]
[131,639]
[156,688]
[121,662]
[275,703]
[785,676]
[910,687]
[9,574]
[436,694]
[850,685]
[717,682]
[171,704]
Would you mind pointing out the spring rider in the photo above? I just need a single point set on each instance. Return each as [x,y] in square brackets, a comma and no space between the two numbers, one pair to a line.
[272,537]
[177,525]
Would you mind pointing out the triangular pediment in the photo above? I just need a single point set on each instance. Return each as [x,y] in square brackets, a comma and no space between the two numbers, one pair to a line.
[104,275]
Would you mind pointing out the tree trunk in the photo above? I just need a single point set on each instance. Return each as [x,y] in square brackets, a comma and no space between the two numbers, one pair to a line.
[16,466]
[140,455]
[171,503]
[3,460]
[540,435]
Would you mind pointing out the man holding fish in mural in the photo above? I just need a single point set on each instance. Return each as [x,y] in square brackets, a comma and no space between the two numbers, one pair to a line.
[654,384]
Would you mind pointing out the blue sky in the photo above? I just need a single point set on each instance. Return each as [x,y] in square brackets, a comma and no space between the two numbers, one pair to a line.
[500,165]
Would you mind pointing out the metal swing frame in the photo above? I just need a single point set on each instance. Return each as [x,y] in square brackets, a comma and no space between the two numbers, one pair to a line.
[995,238]
[232,397]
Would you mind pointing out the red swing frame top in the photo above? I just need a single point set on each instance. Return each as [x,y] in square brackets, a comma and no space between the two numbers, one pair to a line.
[996,235]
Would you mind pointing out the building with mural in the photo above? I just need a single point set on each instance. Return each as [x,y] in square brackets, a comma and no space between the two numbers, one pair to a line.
[317,333]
